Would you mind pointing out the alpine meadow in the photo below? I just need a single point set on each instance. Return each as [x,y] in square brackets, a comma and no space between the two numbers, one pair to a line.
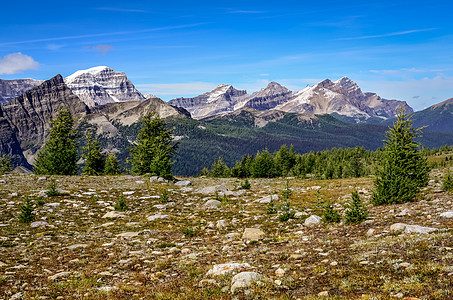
[226,150]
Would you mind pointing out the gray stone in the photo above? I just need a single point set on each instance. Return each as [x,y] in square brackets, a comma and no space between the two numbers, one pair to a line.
[183,183]
[127,235]
[397,227]
[157,217]
[38,224]
[244,279]
[221,224]
[59,275]
[228,268]
[312,220]
[210,204]
[267,199]
[113,215]
[411,228]
[77,246]
[447,214]
[252,234]
[405,212]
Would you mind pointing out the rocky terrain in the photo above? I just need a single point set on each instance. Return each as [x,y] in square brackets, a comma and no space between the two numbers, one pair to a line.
[209,239]
[101,85]
[10,89]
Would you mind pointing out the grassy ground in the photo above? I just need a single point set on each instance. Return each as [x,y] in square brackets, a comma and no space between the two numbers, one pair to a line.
[79,255]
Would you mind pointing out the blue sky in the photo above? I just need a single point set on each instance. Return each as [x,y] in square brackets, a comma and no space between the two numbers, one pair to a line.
[399,49]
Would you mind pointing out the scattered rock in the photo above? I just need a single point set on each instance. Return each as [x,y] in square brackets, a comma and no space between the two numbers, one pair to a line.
[211,204]
[312,220]
[113,215]
[253,234]
[323,294]
[228,268]
[411,228]
[370,232]
[157,217]
[183,183]
[127,235]
[268,199]
[405,212]
[38,224]
[59,275]
[280,272]
[42,178]
[76,246]
[447,214]
[221,224]
[244,279]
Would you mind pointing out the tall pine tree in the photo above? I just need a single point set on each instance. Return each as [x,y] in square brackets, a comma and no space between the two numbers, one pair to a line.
[154,149]
[59,155]
[403,169]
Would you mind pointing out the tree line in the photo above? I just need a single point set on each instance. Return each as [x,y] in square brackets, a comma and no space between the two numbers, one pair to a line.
[327,164]
[152,152]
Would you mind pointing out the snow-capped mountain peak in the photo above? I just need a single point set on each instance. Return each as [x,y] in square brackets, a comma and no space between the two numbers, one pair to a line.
[101,85]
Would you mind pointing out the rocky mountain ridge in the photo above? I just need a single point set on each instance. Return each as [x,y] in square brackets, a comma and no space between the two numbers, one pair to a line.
[10,89]
[343,97]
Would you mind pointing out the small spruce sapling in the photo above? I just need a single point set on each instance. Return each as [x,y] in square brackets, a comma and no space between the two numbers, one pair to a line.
[246,185]
[26,212]
[330,214]
[356,210]
[121,205]
[164,196]
[52,189]
[271,209]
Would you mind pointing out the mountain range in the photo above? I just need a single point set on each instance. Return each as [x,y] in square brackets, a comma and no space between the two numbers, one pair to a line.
[225,122]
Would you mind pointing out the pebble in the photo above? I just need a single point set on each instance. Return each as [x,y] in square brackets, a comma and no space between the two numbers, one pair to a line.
[228,268]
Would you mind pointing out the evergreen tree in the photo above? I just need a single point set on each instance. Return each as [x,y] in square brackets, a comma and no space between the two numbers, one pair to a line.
[5,164]
[112,166]
[403,169]
[356,210]
[220,169]
[26,212]
[263,165]
[59,155]
[154,148]
[94,158]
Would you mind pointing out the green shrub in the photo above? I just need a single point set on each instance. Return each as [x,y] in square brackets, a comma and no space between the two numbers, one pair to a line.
[287,192]
[164,196]
[52,190]
[246,185]
[271,209]
[330,214]
[287,213]
[447,182]
[356,210]
[26,212]
[5,164]
[121,204]
[189,232]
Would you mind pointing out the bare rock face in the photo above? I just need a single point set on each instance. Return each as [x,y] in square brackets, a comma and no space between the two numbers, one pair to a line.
[101,85]
[30,115]
[10,89]
[220,100]
[9,144]
[343,97]
[268,98]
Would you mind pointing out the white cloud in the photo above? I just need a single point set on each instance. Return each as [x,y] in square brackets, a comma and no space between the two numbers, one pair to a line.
[189,88]
[103,49]
[17,62]
[363,37]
